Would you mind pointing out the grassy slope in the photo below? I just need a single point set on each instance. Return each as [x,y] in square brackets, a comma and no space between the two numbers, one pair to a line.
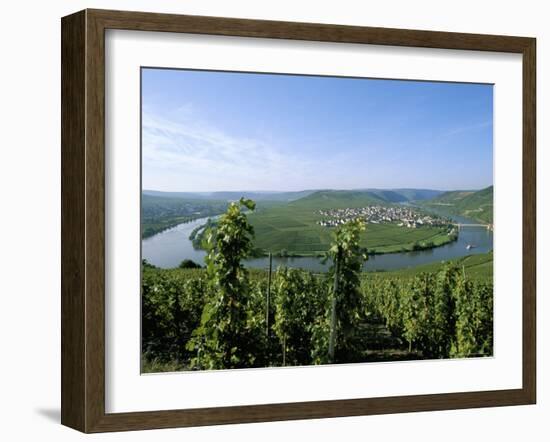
[401,195]
[475,266]
[293,227]
[477,205]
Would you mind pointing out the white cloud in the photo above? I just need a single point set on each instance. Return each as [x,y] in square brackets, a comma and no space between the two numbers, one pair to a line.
[182,153]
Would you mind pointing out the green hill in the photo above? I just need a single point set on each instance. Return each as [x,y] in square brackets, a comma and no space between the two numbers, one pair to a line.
[403,195]
[337,199]
[472,204]
[451,196]
[293,228]
[478,267]
[159,213]
[229,195]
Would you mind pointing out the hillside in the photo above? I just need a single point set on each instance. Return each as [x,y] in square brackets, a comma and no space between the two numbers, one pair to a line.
[231,196]
[288,222]
[163,210]
[294,228]
[389,195]
[403,195]
[337,199]
[478,267]
[472,204]
[159,213]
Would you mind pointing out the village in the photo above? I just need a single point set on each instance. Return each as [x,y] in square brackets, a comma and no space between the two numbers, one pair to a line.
[403,216]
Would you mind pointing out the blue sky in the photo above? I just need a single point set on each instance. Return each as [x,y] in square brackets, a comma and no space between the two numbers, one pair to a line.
[211,131]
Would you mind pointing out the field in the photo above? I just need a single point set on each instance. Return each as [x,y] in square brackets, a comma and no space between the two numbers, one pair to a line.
[292,229]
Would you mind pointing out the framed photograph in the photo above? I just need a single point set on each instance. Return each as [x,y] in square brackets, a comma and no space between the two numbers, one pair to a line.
[267,220]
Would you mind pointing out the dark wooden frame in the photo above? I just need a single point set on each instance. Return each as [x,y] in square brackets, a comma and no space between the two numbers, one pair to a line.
[83,217]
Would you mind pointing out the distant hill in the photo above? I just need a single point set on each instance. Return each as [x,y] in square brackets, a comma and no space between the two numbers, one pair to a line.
[155,206]
[452,196]
[388,195]
[159,213]
[470,203]
[418,194]
[403,195]
[231,196]
[294,228]
[338,199]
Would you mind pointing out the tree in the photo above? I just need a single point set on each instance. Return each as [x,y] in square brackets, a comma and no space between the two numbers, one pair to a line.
[227,333]
[189,264]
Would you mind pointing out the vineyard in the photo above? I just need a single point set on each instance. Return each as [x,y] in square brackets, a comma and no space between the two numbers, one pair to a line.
[226,316]
[294,227]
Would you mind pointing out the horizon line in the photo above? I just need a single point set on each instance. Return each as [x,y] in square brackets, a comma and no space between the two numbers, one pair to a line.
[323,189]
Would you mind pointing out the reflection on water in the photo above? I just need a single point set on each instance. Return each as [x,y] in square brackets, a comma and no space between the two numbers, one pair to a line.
[167,249]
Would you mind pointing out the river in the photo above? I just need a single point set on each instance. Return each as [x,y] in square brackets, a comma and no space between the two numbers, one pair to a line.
[167,249]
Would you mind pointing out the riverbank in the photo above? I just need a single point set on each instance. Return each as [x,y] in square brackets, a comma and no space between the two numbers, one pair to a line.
[478,267]
[151,228]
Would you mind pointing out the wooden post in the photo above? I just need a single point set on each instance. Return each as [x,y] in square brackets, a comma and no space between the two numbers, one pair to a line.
[268,295]
[332,341]
[284,351]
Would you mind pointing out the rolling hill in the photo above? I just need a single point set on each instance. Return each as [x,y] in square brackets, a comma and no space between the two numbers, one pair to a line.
[337,199]
[231,196]
[288,222]
[403,195]
[389,195]
[159,213]
[293,228]
[469,203]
